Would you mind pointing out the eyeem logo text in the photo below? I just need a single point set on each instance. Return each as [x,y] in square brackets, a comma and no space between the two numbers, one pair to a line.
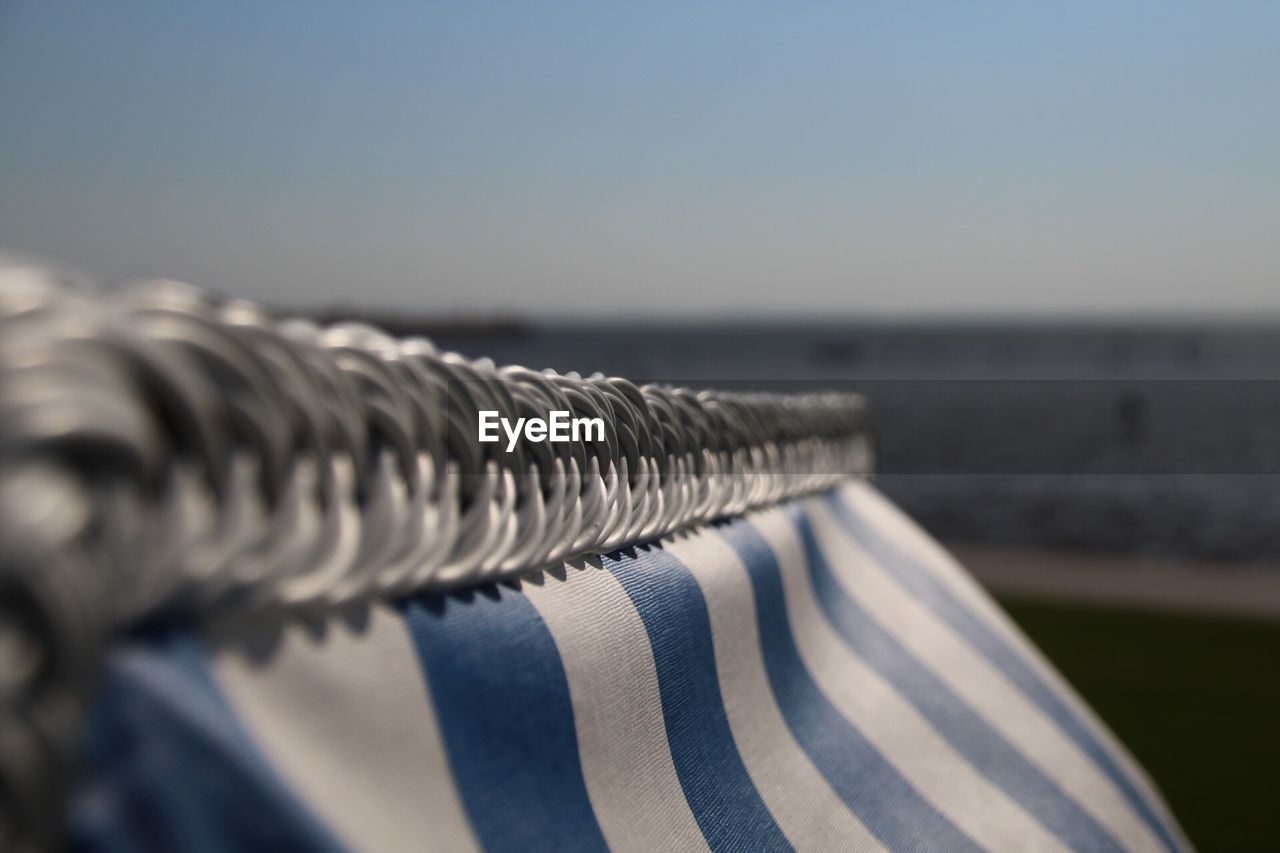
[558,426]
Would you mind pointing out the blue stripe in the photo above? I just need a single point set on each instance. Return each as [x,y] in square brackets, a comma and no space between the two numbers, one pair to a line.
[166,765]
[916,578]
[887,804]
[984,747]
[720,793]
[502,701]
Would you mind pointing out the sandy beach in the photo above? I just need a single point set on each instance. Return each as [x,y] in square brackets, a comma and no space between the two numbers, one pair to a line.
[1079,577]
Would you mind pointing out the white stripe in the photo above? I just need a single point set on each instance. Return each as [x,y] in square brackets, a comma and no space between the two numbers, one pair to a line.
[904,737]
[617,709]
[908,536]
[810,813]
[976,681]
[342,712]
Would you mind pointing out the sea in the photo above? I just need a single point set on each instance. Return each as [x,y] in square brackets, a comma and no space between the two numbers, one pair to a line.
[1138,437]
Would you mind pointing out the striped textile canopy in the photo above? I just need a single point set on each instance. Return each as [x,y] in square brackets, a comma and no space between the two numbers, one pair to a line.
[818,675]
[264,587]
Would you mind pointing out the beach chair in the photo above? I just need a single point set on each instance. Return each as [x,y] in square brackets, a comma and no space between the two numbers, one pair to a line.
[266,588]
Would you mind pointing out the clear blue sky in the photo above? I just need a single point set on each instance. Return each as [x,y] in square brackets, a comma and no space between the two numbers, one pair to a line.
[682,158]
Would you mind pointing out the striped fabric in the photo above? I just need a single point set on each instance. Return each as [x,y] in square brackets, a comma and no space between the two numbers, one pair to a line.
[818,676]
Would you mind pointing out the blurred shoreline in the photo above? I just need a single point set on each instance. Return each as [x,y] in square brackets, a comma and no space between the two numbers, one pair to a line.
[1110,580]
